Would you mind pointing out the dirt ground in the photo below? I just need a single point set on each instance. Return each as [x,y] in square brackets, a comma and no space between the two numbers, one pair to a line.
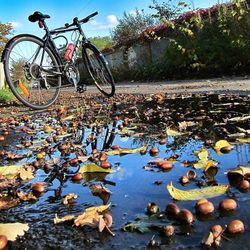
[232,85]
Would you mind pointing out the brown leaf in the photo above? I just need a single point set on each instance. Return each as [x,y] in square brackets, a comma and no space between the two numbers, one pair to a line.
[69,198]
[65,218]
[208,239]
[7,183]
[26,174]
[8,202]
[26,196]
[102,224]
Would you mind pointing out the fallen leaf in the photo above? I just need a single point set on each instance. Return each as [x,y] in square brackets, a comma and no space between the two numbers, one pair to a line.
[171,132]
[244,140]
[243,171]
[221,144]
[26,196]
[196,194]
[26,174]
[12,230]
[8,202]
[69,198]
[11,171]
[63,219]
[123,151]
[92,167]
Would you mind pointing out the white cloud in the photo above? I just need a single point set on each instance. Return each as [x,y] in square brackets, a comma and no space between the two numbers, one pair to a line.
[111,22]
[15,25]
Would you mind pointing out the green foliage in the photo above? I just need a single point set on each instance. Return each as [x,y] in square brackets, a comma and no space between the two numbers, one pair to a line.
[5,30]
[5,95]
[167,10]
[101,42]
[130,27]
[218,44]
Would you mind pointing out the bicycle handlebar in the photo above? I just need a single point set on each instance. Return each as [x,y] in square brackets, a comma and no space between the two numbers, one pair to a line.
[76,21]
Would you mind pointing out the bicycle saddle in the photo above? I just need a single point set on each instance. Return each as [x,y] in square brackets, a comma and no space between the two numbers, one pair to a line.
[36,16]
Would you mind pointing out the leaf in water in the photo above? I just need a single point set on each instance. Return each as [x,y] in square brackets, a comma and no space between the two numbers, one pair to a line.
[139,226]
[48,129]
[203,158]
[68,118]
[240,170]
[11,171]
[63,219]
[219,145]
[7,183]
[69,198]
[122,151]
[244,140]
[185,124]
[26,196]
[97,189]
[196,194]
[12,230]
[171,132]
[92,167]
[26,174]
[239,118]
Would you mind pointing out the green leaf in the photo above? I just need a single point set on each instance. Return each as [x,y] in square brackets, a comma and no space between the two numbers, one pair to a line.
[196,194]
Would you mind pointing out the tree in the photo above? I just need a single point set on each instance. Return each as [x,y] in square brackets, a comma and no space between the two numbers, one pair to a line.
[169,10]
[5,30]
[130,26]
[101,42]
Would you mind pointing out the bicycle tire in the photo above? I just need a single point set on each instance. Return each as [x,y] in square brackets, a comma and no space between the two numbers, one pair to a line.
[98,69]
[26,77]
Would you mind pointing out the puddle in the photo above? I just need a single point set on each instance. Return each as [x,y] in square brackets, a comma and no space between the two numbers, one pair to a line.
[132,183]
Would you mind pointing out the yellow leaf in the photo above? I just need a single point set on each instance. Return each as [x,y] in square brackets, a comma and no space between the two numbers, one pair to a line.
[68,118]
[92,167]
[11,171]
[121,151]
[203,158]
[196,194]
[48,129]
[26,174]
[221,144]
[244,140]
[171,132]
[210,164]
[12,230]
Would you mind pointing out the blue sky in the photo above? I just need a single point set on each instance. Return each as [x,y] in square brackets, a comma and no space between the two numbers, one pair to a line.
[63,11]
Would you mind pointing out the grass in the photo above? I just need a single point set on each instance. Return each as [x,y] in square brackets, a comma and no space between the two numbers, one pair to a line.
[5,95]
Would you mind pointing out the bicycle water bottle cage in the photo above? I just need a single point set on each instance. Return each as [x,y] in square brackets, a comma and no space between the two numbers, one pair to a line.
[37,16]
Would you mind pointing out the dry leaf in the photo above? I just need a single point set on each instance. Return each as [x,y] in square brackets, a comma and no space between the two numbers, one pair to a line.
[208,239]
[69,198]
[92,167]
[8,202]
[58,220]
[12,230]
[196,194]
[26,174]
[26,196]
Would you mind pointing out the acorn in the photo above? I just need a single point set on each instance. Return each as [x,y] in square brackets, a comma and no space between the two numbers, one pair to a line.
[56,138]
[73,161]
[152,208]
[103,156]
[105,164]
[205,208]
[162,141]
[46,167]
[162,136]
[172,209]
[3,241]
[184,179]
[165,165]
[2,138]
[115,147]
[120,126]
[154,151]
[228,204]
[77,177]
[48,139]
[216,230]
[168,230]
[62,147]
[244,184]
[115,117]
[225,150]
[185,216]
[236,226]
[38,187]
[191,174]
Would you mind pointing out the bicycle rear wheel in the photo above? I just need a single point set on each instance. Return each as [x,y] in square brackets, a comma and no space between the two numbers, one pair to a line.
[32,71]
[98,69]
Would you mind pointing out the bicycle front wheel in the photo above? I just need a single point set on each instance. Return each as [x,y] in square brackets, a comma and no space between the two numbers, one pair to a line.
[32,71]
[98,69]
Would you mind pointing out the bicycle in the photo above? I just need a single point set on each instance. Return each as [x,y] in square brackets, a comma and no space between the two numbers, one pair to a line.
[34,67]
